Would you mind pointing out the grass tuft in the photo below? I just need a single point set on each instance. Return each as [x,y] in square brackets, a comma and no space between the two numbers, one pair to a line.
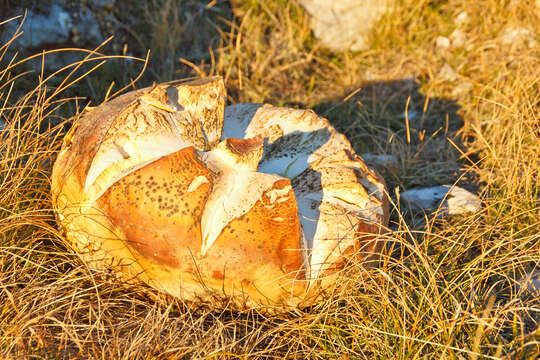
[447,288]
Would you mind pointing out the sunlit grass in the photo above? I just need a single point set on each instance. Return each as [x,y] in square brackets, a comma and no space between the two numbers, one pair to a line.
[445,289]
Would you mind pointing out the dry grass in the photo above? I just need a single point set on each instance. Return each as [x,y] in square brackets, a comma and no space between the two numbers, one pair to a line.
[447,288]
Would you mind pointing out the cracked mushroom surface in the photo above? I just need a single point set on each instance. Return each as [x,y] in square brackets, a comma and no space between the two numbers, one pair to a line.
[248,205]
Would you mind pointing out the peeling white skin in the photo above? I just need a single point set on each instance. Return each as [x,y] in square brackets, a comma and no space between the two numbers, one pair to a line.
[279,195]
[156,124]
[295,138]
[319,237]
[308,209]
[289,121]
[285,166]
[198,181]
[236,189]
[327,235]
[237,119]
[305,251]
[126,154]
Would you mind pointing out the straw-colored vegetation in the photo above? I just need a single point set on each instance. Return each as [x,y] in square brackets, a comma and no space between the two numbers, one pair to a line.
[446,288]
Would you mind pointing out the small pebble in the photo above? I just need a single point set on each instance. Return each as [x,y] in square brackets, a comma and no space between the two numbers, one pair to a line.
[462,18]
[451,200]
[458,38]
[442,43]
[387,161]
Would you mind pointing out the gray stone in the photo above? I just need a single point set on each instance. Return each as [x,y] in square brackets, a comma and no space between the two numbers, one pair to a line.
[462,18]
[345,24]
[517,36]
[387,161]
[451,200]
[447,73]
[86,29]
[41,30]
[458,38]
[442,43]
[56,27]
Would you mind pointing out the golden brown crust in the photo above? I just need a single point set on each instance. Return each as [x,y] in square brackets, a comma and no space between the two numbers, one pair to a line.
[160,219]
[158,211]
[244,146]
[268,233]
[261,250]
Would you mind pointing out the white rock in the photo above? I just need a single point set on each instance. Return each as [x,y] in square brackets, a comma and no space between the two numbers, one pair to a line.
[461,201]
[458,38]
[442,43]
[462,88]
[447,73]
[40,30]
[55,27]
[87,29]
[427,198]
[451,200]
[512,34]
[388,161]
[344,24]
[411,115]
[462,18]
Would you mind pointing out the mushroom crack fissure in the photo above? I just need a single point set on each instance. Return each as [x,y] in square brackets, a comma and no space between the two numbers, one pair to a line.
[237,188]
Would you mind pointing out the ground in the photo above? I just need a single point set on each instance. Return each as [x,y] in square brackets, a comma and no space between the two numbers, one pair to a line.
[449,87]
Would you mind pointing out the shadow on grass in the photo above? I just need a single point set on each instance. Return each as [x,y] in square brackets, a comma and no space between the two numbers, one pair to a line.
[395,118]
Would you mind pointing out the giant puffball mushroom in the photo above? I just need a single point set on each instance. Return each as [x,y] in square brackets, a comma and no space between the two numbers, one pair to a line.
[250,205]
